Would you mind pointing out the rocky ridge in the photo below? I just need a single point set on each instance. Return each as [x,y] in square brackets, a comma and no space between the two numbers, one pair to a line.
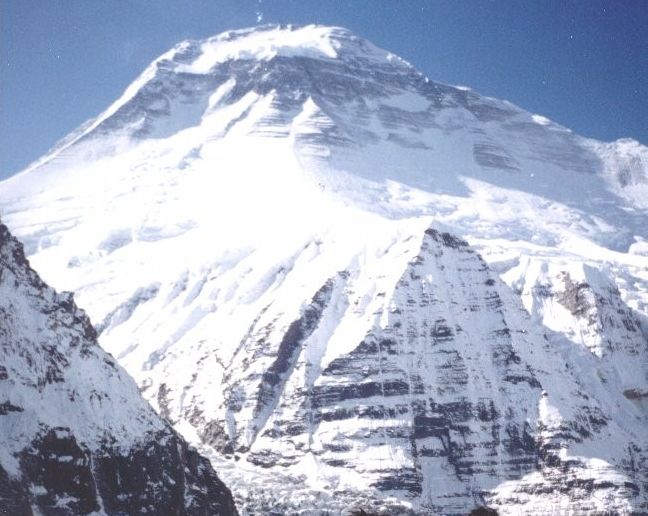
[76,437]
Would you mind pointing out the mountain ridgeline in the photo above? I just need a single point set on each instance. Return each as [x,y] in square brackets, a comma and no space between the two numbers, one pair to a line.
[354,288]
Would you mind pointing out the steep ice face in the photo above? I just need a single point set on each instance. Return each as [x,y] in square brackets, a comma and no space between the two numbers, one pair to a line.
[249,229]
[73,427]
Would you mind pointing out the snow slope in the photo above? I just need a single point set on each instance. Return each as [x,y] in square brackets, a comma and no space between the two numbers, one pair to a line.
[365,288]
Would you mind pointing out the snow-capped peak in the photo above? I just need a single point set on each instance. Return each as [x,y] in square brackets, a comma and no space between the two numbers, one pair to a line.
[270,41]
[249,228]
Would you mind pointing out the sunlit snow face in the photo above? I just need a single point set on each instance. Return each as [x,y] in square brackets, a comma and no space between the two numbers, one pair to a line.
[199,217]
[264,45]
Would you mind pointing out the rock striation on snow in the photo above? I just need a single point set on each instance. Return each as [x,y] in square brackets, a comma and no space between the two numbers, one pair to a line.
[357,289]
[75,435]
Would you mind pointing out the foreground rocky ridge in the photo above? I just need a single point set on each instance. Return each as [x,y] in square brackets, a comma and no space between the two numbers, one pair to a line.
[75,435]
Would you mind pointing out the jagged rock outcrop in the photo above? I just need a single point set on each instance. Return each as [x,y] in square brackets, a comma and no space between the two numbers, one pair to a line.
[75,435]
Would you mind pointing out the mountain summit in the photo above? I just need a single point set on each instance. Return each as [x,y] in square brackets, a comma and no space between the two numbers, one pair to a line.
[365,289]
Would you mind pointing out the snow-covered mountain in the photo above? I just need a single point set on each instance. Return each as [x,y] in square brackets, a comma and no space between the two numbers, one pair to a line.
[75,435]
[365,289]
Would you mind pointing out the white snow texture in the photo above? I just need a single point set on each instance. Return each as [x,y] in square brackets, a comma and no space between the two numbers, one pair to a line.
[363,288]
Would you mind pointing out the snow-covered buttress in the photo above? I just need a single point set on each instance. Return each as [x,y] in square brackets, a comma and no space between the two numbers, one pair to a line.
[355,288]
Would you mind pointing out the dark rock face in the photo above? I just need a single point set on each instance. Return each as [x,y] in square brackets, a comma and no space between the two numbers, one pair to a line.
[110,458]
[608,324]
[289,347]
[483,511]
[164,475]
[414,377]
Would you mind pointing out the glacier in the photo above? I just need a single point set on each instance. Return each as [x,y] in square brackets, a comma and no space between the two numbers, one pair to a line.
[356,288]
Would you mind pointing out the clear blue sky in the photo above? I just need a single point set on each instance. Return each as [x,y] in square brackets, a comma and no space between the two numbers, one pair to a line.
[582,63]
